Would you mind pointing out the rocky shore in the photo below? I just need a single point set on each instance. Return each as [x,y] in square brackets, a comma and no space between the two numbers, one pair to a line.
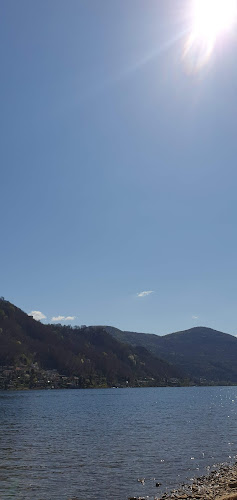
[220,484]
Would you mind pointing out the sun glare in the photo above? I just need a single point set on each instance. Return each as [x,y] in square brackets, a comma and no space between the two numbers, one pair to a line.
[210,20]
[211,17]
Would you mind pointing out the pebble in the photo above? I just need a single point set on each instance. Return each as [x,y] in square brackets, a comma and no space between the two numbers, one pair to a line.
[220,484]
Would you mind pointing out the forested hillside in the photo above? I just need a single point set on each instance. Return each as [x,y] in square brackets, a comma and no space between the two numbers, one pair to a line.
[91,354]
[203,354]
[99,356]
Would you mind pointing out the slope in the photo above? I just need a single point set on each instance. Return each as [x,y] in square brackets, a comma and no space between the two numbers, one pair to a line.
[91,353]
[201,353]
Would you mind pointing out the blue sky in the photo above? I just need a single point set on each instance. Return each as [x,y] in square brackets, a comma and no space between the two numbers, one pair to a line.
[118,166]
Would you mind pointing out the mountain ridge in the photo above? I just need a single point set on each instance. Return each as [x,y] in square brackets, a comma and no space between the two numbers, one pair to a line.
[90,354]
[107,356]
[199,352]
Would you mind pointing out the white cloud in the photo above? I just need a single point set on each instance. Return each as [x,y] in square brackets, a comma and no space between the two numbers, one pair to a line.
[38,315]
[57,318]
[144,294]
[194,317]
[63,318]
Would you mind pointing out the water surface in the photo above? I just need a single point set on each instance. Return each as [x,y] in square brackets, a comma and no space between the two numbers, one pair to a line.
[95,444]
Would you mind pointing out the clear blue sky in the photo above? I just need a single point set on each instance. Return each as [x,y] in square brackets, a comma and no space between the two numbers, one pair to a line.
[118,166]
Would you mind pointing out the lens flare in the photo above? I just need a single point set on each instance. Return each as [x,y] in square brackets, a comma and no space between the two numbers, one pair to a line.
[210,20]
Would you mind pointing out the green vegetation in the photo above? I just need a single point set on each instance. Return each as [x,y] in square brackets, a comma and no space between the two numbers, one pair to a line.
[90,354]
[33,355]
[204,355]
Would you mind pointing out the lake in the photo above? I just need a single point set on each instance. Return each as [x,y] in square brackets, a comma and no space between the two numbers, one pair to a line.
[96,444]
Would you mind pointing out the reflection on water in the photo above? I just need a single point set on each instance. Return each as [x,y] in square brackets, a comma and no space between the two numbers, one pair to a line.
[94,444]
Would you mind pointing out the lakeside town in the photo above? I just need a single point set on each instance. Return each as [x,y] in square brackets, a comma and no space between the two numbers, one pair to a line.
[32,377]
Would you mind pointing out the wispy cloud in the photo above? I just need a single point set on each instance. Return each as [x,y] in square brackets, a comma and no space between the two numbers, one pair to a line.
[38,315]
[57,318]
[194,317]
[63,318]
[145,293]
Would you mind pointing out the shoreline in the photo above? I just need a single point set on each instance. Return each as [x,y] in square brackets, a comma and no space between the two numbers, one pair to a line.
[220,484]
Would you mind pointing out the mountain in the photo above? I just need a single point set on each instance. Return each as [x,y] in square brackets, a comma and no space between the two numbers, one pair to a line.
[203,354]
[103,356]
[30,351]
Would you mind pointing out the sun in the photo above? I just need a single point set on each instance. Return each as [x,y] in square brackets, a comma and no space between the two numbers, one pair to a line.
[212,17]
[210,20]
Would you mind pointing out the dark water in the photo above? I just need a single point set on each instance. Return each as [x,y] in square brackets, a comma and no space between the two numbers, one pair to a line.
[95,444]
